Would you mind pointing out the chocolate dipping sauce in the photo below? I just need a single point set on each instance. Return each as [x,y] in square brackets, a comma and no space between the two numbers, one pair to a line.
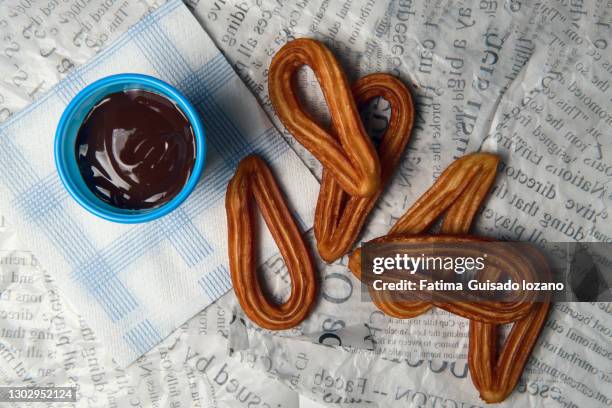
[135,149]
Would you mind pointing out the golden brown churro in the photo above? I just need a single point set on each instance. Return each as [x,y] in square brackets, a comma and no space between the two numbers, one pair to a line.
[253,179]
[347,152]
[339,218]
[495,374]
[459,191]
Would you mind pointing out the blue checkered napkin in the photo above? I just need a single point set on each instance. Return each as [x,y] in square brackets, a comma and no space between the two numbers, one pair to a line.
[136,283]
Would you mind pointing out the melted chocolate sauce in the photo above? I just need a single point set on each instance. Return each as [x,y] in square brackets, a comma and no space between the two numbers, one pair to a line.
[135,149]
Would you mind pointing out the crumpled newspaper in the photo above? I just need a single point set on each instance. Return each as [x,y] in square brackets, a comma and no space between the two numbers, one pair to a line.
[43,41]
[530,82]
[458,57]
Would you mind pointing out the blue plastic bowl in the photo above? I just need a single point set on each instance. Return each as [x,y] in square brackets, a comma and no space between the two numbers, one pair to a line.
[70,123]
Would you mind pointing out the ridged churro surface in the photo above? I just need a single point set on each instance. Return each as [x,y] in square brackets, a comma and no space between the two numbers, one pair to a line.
[339,217]
[345,151]
[253,184]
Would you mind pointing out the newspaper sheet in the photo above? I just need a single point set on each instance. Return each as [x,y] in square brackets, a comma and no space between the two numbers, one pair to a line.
[527,80]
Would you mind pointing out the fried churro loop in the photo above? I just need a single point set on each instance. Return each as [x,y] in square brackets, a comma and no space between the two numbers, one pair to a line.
[460,190]
[253,179]
[496,374]
[510,259]
[339,218]
[346,152]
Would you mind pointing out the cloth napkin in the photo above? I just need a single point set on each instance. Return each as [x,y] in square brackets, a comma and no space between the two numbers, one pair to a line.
[134,284]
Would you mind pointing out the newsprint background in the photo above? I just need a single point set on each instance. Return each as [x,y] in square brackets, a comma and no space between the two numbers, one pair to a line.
[527,80]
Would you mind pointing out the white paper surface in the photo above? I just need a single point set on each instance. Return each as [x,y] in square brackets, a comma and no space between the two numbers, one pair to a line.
[43,41]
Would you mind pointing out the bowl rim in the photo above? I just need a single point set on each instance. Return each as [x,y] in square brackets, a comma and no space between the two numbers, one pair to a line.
[166,90]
